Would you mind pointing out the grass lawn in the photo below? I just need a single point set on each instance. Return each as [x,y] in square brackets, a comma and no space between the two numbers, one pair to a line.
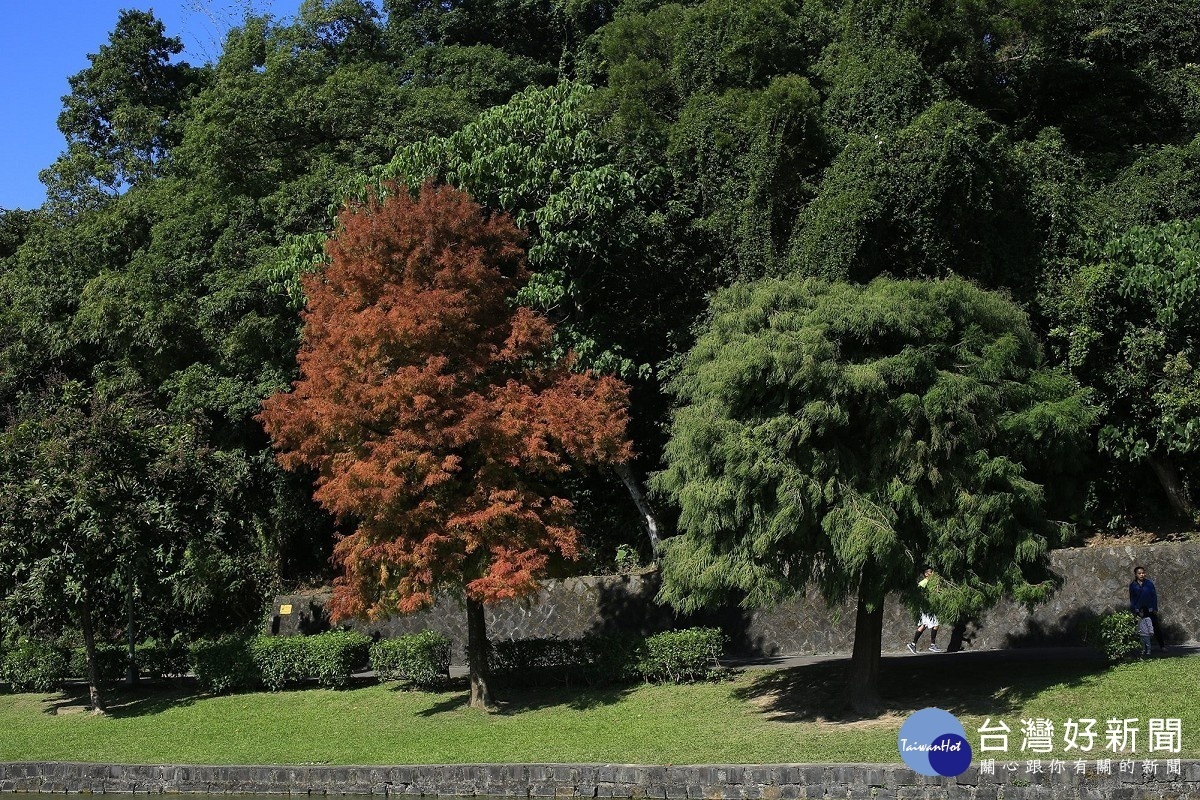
[774,716]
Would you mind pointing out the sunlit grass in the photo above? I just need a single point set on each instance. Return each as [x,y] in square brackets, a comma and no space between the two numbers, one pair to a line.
[759,717]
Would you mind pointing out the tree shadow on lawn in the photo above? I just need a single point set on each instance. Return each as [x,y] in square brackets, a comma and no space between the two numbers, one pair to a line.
[122,701]
[511,701]
[973,684]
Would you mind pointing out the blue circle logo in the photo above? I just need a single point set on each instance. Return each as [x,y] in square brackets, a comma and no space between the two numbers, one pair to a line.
[934,742]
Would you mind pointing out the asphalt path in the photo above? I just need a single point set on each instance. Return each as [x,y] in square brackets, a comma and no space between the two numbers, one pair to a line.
[963,657]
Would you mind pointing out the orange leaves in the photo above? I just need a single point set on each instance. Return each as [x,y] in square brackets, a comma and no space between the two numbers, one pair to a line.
[424,411]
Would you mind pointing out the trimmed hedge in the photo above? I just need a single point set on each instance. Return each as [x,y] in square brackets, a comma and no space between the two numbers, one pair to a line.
[278,662]
[681,656]
[334,656]
[422,659]
[159,661]
[153,660]
[223,665]
[590,661]
[281,661]
[34,666]
[673,656]
[327,658]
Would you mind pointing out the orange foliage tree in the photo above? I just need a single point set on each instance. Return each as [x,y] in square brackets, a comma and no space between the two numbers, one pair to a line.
[430,411]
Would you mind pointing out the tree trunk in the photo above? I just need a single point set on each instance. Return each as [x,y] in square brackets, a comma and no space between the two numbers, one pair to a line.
[131,669]
[649,520]
[89,647]
[868,642]
[1177,494]
[481,695]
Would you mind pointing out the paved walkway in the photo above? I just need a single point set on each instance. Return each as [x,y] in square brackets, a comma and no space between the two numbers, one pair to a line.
[1015,654]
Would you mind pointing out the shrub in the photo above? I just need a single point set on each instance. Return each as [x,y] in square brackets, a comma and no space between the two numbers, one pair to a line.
[34,667]
[281,661]
[223,665]
[158,661]
[421,658]
[334,656]
[153,661]
[592,661]
[111,662]
[1114,634]
[681,656]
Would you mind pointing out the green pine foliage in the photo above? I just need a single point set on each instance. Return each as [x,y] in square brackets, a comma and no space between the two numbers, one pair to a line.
[847,435]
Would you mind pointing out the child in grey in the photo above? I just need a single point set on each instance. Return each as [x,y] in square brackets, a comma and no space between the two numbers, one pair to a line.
[1146,631]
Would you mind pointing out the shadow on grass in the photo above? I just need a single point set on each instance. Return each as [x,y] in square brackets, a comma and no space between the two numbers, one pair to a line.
[980,684]
[122,701]
[511,700]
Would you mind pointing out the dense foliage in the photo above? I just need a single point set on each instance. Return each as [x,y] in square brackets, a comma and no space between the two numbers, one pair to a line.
[1115,634]
[848,436]
[421,659]
[681,656]
[432,415]
[654,153]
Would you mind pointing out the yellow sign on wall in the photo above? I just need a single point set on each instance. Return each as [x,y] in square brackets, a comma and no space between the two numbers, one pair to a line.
[286,608]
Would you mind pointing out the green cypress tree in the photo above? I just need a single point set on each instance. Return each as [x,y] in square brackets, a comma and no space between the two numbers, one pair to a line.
[841,436]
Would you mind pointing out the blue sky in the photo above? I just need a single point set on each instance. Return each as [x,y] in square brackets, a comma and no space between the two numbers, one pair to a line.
[43,42]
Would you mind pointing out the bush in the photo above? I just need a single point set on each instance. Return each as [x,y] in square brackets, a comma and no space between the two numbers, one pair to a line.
[34,667]
[1114,634]
[681,656]
[328,658]
[422,659]
[281,661]
[591,661]
[159,661]
[153,661]
[223,665]
[675,656]
[334,656]
[111,661]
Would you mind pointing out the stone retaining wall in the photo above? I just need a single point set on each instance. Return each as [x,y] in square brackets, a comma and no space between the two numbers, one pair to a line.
[1094,580]
[703,782]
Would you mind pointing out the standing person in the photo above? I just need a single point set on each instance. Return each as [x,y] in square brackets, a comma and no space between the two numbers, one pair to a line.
[1143,602]
[1145,630]
[928,620]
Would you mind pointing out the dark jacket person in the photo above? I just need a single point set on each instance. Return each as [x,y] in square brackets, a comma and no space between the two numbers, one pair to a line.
[1143,601]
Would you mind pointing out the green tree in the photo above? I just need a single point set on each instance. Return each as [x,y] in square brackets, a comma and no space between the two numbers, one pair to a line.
[842,436]
[119,118]
[1128,326]
[944,195]
[83,510]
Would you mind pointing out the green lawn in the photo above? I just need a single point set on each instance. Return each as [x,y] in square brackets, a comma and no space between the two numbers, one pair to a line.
[758,717]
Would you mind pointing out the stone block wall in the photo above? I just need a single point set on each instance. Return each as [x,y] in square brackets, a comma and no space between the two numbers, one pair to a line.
[1094,580]
[692,782]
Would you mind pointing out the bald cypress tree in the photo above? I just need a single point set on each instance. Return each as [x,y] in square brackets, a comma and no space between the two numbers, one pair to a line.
[841,436]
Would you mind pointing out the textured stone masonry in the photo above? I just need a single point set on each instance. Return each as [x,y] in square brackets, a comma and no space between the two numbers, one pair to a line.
[696,782]
[1094,580]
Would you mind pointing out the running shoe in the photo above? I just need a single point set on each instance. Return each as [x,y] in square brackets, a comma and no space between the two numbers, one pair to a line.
[912,648]
[933,648]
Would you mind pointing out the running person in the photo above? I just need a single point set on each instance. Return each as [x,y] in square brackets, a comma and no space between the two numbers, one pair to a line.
[928,621]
